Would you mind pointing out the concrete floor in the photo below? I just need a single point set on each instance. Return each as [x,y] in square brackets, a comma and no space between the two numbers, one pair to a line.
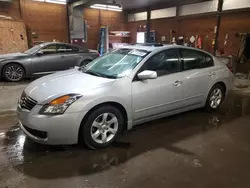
[194,149]
[10,92]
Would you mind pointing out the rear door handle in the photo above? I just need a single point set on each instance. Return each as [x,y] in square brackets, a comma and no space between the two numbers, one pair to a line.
[177,83]
[211,74]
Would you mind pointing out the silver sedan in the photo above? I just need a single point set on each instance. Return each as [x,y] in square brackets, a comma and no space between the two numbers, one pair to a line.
[119,90]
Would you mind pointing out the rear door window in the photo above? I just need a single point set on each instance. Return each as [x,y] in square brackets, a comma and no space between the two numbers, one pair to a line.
[209,61]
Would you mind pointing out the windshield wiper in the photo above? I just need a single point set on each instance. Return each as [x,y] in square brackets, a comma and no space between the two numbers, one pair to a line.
[93,73]
[110,76]
[83,69]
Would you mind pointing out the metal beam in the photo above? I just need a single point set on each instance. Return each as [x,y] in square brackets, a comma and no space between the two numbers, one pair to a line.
[148,24]
[218,21]
[88,3]
[76,20]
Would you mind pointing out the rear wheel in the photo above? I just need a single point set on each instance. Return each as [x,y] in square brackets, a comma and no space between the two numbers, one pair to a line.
[215,97]
[102,127]
[13,72]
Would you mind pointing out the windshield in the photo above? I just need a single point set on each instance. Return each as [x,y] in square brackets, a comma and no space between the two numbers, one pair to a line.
[116,64]
[34,49]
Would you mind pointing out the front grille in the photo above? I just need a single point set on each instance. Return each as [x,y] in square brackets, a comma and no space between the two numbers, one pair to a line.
[26,102]
[36,133]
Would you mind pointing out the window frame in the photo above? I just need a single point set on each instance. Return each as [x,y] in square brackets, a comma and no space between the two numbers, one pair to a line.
[177,51]
[47,47]
[67,46]
[198,51]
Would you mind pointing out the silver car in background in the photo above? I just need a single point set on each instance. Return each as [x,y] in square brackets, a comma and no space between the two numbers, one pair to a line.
[119,90]
[43,59]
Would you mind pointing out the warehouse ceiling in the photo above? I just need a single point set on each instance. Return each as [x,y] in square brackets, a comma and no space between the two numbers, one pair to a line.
[140,4]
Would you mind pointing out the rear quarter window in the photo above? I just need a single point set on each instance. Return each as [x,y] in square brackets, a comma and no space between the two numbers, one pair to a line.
[208,62]
[194,59]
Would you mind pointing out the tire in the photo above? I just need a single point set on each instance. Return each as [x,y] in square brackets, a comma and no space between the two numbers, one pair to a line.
[96,126]
[215,97]
[13,72]
[85,62]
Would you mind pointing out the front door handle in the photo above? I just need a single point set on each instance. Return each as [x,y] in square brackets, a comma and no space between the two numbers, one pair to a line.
[211,74]
[177,83]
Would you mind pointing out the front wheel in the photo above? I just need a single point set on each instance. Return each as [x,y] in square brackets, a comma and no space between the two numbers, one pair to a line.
[102,127]
[215,97]
[13,72]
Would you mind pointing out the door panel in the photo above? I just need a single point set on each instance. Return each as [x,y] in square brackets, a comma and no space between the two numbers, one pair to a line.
[195,85]
[163,94]
[46,62]
[68,60]
[69,56]
[198,76]
[153,97]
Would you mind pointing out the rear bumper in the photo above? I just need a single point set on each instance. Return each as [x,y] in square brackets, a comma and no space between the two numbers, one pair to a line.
[52,130]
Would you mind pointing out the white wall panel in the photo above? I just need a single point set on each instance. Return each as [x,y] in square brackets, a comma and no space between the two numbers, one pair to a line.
[198,8]
[163,13]
[235,4]
[137,16]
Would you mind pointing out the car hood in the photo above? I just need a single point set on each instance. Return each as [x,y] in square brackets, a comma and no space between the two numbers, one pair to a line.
[62,83]
[12,56]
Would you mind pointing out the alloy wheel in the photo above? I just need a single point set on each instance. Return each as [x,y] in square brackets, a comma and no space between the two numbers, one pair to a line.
[13,72]
[104,128]
[216,98]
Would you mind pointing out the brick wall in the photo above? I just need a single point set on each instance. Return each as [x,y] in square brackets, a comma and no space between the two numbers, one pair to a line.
[135,27]
[47,20]
[162,27]
[186,27]
[231,23]
[10,9]
[203,26]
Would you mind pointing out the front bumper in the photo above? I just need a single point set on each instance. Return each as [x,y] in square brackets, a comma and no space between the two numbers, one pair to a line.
[52,130]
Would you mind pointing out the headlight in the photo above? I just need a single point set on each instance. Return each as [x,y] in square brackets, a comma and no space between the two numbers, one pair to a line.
[59,105]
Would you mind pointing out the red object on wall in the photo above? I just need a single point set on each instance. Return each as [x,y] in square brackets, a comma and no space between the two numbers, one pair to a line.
[199,42]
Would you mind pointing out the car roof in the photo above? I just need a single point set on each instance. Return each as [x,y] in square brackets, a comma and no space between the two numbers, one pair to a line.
[61,43]
[160,48]
[138,47]
[148,44]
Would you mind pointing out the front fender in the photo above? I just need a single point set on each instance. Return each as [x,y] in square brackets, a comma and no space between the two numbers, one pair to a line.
[86,105]
[101,95]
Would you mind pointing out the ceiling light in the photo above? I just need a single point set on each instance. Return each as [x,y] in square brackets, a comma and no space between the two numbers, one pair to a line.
[112,7]
[63,2]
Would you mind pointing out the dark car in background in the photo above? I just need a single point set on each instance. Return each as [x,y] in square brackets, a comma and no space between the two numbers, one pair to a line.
[44,59]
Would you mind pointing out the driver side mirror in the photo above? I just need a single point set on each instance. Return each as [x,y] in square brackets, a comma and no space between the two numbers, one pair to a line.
[147,74]
[39,53]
